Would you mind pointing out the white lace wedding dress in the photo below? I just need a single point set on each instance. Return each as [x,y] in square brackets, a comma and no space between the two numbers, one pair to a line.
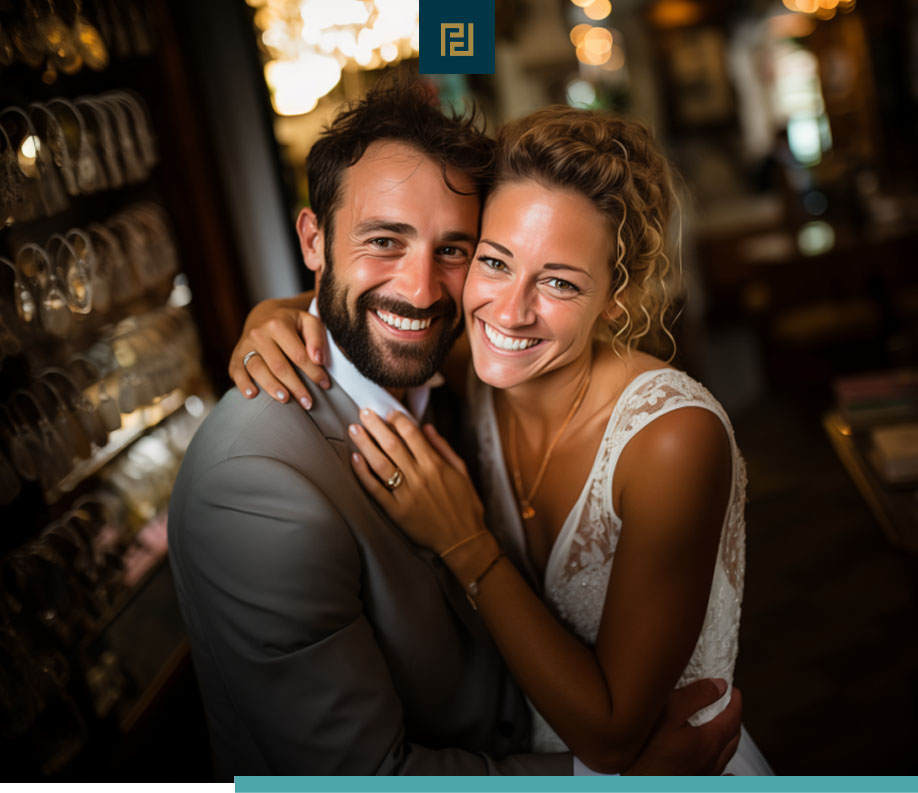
[578,567]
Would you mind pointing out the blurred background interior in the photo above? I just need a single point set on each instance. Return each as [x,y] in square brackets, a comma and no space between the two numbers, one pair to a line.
[151,165]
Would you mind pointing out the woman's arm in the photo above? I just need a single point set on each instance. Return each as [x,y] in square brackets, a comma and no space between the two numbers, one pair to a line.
[604,701]
[280,331]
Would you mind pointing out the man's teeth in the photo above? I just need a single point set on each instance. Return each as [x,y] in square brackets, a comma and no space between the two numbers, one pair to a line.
[507,342]
[403,323]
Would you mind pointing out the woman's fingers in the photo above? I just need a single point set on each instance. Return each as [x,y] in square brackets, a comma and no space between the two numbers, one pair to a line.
[373,486]
[380,463]
[387,439]
[313,334]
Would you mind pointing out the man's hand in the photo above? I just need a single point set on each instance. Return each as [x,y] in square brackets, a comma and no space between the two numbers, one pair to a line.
[280,331]
[676,748]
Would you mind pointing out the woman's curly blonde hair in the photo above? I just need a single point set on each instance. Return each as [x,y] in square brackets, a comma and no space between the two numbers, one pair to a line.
[615,163]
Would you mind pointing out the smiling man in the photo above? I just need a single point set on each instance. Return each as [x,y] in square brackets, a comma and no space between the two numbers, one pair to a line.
[325,642]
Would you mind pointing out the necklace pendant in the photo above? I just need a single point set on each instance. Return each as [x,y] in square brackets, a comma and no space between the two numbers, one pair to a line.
[526,510]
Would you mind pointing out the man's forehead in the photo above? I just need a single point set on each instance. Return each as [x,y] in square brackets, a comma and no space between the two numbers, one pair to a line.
[387,164]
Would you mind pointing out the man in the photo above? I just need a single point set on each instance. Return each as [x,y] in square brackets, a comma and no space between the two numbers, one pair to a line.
[324,641]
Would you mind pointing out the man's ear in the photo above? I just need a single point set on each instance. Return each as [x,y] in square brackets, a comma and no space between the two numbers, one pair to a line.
[312,240]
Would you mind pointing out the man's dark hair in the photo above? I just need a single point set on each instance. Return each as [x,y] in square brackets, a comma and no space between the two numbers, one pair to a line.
[397,108]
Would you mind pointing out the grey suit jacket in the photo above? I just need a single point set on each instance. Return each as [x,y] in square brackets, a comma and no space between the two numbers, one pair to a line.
[324,641]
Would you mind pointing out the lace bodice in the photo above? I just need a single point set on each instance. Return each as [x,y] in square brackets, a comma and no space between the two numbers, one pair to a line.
[577,572]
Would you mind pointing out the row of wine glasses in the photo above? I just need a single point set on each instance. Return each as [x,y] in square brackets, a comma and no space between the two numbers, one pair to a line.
[65,37]
[67,413]
[102,267]
[70,147]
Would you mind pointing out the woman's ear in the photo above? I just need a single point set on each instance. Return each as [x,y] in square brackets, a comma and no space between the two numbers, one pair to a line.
[312,240]
[612,312]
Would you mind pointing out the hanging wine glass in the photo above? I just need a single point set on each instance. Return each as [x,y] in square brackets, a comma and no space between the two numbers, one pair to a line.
[50,189]
[106,408]
[54,463]
[53,306]
[12,180]
[90,176]
[101,286]
[23,297]
[98,122]
[24,446]
[134,170]
[60,152]
[142,129]
[89,41]
[26,38]
[73,271]
[60,45]
[83,409]
[7,50]
[66,424]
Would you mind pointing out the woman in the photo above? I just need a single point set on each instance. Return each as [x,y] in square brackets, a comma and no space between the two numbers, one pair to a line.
[591,450]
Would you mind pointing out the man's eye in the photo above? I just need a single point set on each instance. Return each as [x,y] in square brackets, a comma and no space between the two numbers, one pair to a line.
[453,251]
[382,242]
[561,285]
[491,263]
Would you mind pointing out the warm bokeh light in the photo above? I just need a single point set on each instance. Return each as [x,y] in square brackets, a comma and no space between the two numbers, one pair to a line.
[828,3]
[591,57]
[581,3]
[578,32]
[598,9]
[331,35]
[807,6]
[616,60]
[598,41]
[825,13]
[790,5]
[791,26]
[675,13]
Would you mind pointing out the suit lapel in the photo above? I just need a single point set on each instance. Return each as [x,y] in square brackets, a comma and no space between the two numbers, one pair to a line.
[332,414]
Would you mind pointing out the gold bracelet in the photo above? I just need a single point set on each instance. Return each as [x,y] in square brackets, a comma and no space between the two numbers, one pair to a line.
[471,589]
[463,542]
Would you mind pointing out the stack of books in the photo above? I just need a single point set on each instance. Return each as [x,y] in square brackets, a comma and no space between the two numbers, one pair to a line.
[868,400]
[894,452]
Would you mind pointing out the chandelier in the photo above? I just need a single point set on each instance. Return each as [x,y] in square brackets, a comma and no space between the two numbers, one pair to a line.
[310,42]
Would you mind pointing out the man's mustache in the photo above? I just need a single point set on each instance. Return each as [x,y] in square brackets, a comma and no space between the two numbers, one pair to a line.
[445,307]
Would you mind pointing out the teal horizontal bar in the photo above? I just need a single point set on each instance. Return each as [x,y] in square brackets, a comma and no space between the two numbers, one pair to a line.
[547,784]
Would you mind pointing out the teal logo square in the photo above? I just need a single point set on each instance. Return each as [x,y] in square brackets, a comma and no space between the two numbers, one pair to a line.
[457,36]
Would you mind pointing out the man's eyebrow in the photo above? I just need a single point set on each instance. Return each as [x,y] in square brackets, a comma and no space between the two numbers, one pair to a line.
[378,224]
[459,236]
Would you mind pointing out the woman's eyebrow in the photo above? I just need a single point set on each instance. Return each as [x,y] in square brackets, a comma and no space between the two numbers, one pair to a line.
[501,248]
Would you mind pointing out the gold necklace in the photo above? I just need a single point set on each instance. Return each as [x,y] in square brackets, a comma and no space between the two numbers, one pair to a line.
[527,511]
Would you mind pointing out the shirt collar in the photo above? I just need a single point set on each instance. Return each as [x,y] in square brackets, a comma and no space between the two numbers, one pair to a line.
[367,394]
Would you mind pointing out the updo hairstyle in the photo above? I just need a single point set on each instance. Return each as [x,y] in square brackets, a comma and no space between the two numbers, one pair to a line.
[615,163]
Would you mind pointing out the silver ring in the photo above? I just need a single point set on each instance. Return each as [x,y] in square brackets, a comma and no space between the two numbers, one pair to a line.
[248,357]
[395,480]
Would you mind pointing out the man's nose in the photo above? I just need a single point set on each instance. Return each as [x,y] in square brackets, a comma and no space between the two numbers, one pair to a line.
[419,280]
[515,304]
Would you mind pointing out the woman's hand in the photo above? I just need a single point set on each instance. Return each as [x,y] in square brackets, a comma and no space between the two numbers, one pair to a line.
[280,331]
[435,503]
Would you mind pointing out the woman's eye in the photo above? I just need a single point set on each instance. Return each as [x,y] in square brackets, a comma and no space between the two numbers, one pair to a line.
[561,285]
[492,263]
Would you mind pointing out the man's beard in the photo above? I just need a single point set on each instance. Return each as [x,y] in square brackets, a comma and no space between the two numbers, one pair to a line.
[389,363]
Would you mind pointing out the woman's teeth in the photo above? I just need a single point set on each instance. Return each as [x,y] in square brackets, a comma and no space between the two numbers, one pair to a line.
[507,342]
[403,323]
